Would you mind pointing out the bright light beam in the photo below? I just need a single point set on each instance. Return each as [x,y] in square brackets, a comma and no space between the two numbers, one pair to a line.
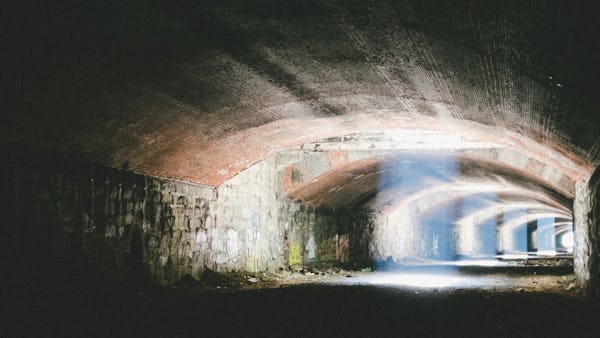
[420,280]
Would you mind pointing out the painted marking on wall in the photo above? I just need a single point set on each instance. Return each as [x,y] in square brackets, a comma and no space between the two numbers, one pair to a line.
[295,256]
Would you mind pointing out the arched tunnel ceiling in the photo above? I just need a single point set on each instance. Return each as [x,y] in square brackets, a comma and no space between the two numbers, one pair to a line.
[201,90]
[384,183]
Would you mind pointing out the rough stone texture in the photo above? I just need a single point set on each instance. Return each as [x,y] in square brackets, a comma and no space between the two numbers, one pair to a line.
[583,226]
[323,236]
[246,213]
[594,239]
[112,224]
[115,225]
[587,234]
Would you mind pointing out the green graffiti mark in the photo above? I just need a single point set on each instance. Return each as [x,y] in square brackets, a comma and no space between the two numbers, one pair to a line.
[295,257]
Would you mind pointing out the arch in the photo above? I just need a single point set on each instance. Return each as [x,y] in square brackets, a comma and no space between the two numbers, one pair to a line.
[385,131]
[401,185]
[367,177]
[493,211]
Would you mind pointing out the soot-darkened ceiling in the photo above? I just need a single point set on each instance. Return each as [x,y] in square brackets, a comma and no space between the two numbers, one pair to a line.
[186,88]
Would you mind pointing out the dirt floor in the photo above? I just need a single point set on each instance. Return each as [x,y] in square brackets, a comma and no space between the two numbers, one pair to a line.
[483,301]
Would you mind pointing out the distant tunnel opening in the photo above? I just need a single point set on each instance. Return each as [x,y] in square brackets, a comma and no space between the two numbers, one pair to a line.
[447,209]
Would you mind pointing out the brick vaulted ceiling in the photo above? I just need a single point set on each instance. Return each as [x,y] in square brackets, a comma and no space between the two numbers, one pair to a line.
[199,90]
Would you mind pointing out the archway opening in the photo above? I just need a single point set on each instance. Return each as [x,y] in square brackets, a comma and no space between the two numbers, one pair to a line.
[460,210]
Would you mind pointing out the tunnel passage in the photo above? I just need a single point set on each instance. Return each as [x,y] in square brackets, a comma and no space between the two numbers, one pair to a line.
[238,108]
[446,206]
[238,136]
[355,200]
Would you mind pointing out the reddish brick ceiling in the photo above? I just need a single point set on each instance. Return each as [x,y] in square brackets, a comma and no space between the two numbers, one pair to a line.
[200,90]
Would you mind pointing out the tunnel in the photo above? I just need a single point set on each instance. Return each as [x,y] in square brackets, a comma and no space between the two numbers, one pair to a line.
[301,167]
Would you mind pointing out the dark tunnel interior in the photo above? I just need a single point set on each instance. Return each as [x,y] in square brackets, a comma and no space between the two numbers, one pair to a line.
[300,168]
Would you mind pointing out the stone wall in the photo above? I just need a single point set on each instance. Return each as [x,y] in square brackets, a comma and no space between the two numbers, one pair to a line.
[111,224]
[246,217]
[587,234]
[75,218]
[582,217]
[106,223]
[324,236]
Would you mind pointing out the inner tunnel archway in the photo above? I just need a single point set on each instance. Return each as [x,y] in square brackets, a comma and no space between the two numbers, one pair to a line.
[442,203]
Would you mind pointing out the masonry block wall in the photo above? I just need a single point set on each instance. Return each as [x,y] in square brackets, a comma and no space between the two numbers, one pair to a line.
[75,218]
[106,224]
[587,257]
[325,236]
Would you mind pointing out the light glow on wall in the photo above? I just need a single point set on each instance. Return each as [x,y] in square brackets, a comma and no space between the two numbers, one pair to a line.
[566,240]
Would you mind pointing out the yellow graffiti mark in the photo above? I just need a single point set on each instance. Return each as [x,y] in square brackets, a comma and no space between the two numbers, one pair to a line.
[295,257]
